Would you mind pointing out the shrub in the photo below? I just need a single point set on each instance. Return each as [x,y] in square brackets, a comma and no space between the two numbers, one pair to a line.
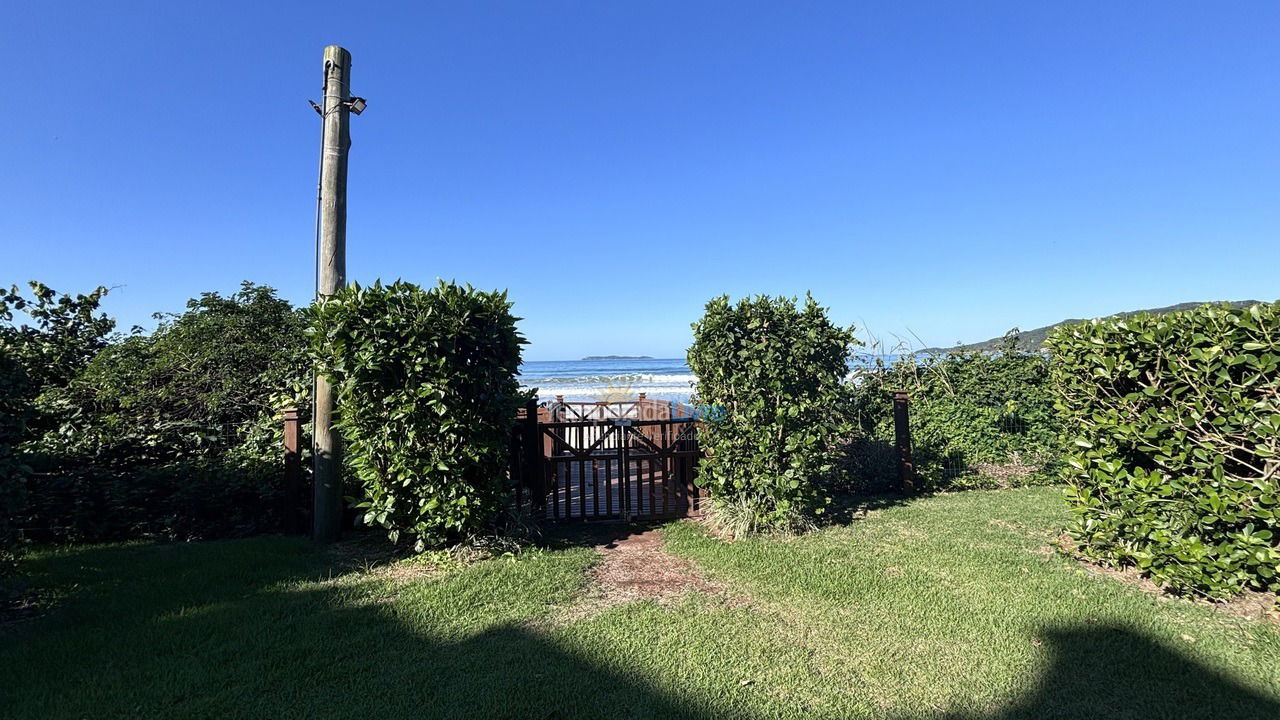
[777,370]
[978,420]
[61,333]
[1176,427]
[14,410]
[427,393]
[176,434]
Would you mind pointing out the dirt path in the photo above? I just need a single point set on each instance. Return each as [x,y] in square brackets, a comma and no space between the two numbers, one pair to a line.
[638,565]
[635,567]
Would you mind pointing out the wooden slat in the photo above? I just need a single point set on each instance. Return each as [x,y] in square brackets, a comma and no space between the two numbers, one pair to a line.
[608,486]
[595,488]
[643,469]
[668,469]
[653,477]
[553,478]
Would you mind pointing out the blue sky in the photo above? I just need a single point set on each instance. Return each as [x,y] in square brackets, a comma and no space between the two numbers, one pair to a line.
[939,170]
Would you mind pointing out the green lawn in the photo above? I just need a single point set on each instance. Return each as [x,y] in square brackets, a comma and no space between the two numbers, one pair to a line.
[942,607]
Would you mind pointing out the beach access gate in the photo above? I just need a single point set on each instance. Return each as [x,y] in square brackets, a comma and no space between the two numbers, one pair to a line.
[621,461]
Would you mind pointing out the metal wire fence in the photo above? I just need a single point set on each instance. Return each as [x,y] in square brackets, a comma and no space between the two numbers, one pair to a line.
[989,448]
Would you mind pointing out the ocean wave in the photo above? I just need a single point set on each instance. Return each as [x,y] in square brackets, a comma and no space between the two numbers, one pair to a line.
[580,387]
[615,379]
[577,391]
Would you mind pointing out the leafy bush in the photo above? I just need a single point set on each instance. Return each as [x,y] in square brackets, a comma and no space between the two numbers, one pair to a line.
[427,393]
[978,420]
[14,411]
[59,335]
[176,434]
[1176,428]
[777,370]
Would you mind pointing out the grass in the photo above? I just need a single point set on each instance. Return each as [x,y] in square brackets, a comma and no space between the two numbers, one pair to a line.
[946,606]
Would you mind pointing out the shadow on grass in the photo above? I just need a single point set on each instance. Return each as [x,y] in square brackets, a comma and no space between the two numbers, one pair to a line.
[599,534]
[225,630]
[231,629]
[1113,672]
[847,507]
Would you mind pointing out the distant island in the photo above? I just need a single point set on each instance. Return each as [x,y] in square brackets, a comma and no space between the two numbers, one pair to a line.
[1029,340]
[617,357]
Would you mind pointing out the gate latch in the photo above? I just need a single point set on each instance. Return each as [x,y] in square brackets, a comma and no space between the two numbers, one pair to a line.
[622,422]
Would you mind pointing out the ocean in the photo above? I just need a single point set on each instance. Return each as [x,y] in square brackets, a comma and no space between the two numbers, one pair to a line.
[661,379]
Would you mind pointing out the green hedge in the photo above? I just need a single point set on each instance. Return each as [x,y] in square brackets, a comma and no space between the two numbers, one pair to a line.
[1175,423]
[427,394]
[772,374]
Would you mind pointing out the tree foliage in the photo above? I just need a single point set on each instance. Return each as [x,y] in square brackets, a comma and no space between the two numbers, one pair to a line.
[176,433]
[427,394]
[15,411]
[45,339]
[1175,461]
[775,370]
[223,362]
[59,336]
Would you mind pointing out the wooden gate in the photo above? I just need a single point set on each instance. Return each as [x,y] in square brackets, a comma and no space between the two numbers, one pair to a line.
[607,461]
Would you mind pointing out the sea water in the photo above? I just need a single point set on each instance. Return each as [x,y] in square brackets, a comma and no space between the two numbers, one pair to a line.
[622,379]
[616,380]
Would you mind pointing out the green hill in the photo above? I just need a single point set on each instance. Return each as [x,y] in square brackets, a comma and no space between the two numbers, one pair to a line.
[1032,339]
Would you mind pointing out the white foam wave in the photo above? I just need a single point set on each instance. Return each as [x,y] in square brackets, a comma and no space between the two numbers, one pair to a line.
[618,379]
[591,392]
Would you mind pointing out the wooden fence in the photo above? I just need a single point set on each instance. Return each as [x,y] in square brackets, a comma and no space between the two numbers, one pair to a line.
[626,460]
[606,460]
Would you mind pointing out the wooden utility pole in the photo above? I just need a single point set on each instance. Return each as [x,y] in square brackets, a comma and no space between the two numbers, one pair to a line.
[331,276]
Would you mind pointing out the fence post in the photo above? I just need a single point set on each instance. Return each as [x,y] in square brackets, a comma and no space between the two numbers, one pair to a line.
[902,438]
[292,471]
[533,476]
